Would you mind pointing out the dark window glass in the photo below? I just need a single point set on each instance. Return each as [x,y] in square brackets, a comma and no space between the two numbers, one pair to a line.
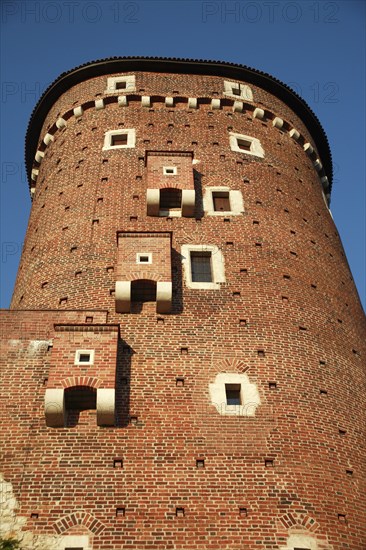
[80,398]
[221,201]
[170,198]
[244,144]
[143,290]
[119,139]
[201,267]
[233,394]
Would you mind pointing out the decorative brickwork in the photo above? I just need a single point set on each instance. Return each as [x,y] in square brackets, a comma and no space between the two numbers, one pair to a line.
[155,401]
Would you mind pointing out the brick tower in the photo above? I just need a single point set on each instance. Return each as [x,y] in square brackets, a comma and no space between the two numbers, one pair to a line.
[183,359]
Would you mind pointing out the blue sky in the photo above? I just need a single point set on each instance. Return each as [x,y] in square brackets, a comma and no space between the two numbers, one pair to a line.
[316,47]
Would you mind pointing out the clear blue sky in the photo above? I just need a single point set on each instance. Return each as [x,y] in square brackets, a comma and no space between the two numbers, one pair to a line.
[317,47]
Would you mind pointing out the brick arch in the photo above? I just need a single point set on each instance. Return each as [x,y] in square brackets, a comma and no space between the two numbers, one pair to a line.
[87,381]
[170,185]
[231,365]
[149,275]
[301,521]
[79,518]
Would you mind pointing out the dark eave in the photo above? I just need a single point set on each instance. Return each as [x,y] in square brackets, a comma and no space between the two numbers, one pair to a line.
[172,65]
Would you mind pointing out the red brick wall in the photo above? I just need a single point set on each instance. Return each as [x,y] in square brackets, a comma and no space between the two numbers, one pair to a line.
[155,175]
[288,315]
[156,244]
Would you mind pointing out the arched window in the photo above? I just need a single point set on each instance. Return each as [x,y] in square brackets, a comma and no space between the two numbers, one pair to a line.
[170,199]
[80,398]
[143,290]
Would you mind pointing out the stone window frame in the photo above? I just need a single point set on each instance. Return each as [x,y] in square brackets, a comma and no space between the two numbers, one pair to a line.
[235,198]
[217,266]
[75,541]
[112,82]
[131,139]
[174,168]
[80,352]
[249,394]
[138,258]
[256,148]
[245,90]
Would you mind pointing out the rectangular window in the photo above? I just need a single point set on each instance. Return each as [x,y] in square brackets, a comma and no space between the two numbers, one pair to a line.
[119,139]
[84,358]
[169,170]
[170,199]
[121,85]
[244,145]
[201,267]
[221,201]
[233,394]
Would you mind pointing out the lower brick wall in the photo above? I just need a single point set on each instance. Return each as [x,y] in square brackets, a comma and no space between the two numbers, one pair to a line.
[173,472]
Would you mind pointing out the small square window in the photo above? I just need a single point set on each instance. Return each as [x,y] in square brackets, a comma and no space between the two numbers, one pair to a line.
[233,396]
[169,170]
[201,267]
[124,83]
[84,357]
[119,139]
[221,201]
[143,258]
[244,144]
[242,91]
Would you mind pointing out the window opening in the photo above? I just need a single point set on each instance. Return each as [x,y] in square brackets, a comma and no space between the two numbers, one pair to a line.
[201,267]
[244,144]
[80,398]
[233,394]
[143,290]
[169,170]
[119,139]
[170,199]
[221,201]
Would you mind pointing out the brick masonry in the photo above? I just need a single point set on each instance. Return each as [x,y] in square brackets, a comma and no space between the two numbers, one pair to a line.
[288,316]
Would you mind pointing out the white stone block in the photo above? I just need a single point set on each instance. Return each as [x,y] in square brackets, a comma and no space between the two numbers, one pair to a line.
[78,111]
[48,138]
[277,122]
[294,134]
[61,123]
[105,407]
[123,296]
[215,104]
[192,103]
[122,101]
[54,407]
[153,202]
[39,156]
[309,150]
[145,101]
[238,107]
[164,292]
[318,165]
[258,113]
[188,202]
[169,101]
[99,104]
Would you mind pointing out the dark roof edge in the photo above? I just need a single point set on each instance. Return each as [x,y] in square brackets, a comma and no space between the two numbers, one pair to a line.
[171,65]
